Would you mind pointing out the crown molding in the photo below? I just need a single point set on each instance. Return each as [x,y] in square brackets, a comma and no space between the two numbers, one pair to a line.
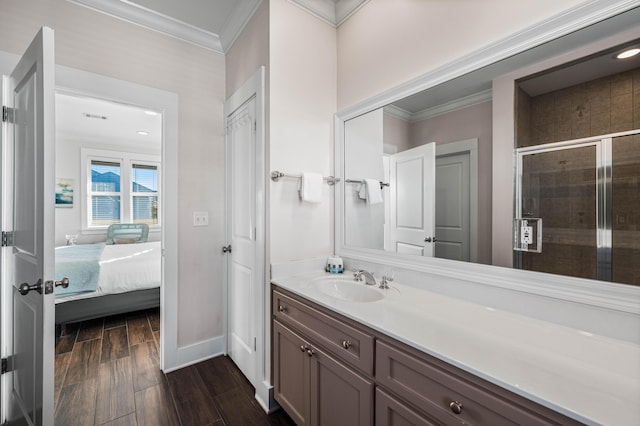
[456,104]
[333,12]
[237,22]
[147,18]
[346,8]
[397,112]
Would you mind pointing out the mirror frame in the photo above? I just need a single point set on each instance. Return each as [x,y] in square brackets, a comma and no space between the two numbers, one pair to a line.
[620,297]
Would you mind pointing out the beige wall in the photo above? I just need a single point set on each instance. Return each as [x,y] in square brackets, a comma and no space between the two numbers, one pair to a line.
[301,106]
[389,42]
[94,42]
[396,132]
[466,123]
[249,51]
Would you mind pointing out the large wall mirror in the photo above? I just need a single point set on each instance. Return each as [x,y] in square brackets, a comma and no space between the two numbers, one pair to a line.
[419,181]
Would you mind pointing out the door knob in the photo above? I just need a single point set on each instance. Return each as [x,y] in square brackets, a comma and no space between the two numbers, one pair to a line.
[429,239]
[25,288]
[64,282]
[226,249]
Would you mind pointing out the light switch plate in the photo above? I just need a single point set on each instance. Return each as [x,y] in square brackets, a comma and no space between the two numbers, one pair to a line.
[200,218]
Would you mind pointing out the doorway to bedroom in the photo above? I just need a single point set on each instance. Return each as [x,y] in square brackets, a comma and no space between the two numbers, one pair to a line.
[108,229]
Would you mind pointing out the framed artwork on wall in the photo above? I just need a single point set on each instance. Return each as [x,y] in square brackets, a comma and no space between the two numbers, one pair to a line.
[64,192]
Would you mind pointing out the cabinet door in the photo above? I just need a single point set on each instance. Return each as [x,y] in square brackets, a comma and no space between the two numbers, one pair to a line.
[291,373]
[339,396]
[390,411]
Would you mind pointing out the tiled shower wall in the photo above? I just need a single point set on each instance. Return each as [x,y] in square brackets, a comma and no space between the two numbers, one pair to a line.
[599,107]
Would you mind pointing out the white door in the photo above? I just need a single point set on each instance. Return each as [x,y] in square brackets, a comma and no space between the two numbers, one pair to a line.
[412,198]
[241,230]
[453,207]
[28,261]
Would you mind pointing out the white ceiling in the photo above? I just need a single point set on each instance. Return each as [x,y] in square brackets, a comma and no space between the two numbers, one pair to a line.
[94,121]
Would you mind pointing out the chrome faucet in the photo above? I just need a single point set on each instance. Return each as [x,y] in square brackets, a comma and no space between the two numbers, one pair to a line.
[384,284]
[368,276]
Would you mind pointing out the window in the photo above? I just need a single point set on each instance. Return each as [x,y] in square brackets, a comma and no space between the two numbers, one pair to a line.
[144,194]
[105,193]
[120,188]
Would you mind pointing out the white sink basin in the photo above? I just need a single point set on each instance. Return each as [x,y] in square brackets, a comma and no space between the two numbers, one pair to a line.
[345,289]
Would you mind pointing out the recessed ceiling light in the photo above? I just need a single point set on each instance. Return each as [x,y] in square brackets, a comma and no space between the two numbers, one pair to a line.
[152,113]
[628,53]
[143,133]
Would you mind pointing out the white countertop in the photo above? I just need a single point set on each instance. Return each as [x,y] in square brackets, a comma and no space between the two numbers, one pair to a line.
[590,378]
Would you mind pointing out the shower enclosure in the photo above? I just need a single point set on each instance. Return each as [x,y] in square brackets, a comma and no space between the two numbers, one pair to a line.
[587,193]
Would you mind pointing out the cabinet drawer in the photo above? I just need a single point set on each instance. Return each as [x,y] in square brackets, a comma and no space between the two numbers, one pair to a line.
[438,392]
[347,343]
[390,411]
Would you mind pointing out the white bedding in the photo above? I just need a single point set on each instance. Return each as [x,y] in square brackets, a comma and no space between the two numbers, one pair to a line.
[125,267]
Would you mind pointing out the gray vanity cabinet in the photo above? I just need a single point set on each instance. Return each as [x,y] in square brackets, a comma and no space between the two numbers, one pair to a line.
[323,373]
[311,382]
[451,396]
[291,373]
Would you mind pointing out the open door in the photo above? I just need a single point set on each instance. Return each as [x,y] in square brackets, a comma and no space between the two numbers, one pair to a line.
[412,189]
[28,234]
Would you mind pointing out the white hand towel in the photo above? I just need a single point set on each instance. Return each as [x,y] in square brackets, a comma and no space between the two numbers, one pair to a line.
[311,187]
[374,193]
[362,191]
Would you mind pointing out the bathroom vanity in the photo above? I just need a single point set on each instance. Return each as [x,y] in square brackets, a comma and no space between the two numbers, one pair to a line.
[347,353]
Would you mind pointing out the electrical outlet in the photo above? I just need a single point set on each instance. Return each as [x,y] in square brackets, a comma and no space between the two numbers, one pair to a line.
[200,218]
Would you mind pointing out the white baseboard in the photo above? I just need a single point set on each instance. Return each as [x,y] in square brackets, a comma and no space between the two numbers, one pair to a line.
[198,352]
[264,396]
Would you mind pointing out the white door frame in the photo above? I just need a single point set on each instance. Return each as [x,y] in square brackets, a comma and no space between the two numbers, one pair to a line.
[82,83]
[459,147]
[88,84]
[254,86]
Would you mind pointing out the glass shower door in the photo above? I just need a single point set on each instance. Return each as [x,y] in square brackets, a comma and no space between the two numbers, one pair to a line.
[588,196]
[559,186]
[625,211]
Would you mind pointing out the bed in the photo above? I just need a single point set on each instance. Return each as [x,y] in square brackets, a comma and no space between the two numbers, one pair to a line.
[109,278]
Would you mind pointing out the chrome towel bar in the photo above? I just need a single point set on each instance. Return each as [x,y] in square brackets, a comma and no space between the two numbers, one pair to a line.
[276,175]
[361,181]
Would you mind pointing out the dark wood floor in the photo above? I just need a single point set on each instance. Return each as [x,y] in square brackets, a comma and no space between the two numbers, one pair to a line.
[107,373]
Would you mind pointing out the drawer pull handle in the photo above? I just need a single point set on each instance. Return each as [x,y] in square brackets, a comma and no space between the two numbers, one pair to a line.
[282,308]
[346,344]
[456,407]
[304,348]
[310,352]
